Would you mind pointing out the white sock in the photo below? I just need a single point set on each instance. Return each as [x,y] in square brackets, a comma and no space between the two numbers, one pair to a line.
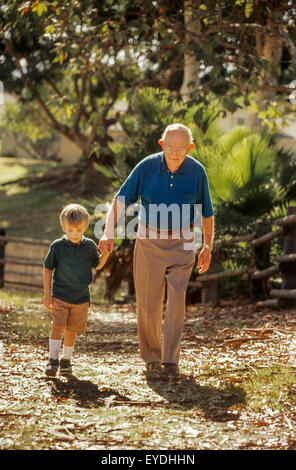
[67,352]
[54,348]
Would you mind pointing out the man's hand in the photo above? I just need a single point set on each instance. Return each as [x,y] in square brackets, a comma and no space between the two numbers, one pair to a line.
[204,260]
[47,301]
[106,245]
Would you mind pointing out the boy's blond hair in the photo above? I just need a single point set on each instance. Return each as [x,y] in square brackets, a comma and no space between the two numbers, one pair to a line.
[74,214]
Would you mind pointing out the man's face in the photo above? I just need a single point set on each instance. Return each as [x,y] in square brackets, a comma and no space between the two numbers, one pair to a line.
[175,148]
[74,232]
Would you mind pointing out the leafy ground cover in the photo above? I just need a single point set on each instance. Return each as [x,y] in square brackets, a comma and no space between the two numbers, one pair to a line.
[237,390]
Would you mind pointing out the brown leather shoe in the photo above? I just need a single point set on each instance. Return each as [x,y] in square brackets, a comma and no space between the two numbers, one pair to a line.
[153,369]
[170,369]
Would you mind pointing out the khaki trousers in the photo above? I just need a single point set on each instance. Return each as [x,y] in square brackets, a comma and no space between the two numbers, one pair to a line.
[158,262]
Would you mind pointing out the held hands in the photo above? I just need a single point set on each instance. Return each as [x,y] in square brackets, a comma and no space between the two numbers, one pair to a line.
[204,260]
[106,245]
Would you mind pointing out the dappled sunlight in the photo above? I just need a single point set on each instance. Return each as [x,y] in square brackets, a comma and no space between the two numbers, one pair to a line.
[234,363]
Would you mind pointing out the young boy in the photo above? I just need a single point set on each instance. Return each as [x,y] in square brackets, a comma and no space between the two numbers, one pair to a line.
[69,264]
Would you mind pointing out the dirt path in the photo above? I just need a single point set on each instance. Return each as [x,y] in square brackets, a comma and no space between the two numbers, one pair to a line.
[236,390]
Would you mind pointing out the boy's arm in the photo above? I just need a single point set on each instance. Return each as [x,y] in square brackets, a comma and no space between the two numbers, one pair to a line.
[47,277]
[102,260]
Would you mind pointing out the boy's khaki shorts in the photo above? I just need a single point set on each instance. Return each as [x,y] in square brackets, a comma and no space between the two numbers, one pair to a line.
[72,316]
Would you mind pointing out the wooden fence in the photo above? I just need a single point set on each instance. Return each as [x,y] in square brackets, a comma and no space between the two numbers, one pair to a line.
[284,266]
[21,263]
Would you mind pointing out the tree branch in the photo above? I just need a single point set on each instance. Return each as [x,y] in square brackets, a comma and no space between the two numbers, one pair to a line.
[54,87]
[54,123]
[80,96]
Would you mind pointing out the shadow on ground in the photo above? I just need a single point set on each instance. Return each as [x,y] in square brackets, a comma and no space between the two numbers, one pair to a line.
[186,393]
[84,392]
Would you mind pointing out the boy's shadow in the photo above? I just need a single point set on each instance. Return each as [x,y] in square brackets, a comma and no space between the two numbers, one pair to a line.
[185,393]
[86,393]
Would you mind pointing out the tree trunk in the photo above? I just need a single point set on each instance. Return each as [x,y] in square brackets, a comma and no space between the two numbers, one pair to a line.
[269,46]
[191,65]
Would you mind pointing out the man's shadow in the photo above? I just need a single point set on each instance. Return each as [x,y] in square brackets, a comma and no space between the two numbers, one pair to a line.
[185,393]
[84,392]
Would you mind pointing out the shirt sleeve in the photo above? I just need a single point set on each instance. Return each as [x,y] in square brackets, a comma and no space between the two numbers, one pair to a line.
[94,255]
[129,191]
[50,260]
[206,200]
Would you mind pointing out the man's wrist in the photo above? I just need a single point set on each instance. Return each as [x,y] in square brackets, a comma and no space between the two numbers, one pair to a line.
[207,246]
[108,235]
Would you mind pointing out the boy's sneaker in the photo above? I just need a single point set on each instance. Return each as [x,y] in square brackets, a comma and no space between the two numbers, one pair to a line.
[52,367]
[65,367]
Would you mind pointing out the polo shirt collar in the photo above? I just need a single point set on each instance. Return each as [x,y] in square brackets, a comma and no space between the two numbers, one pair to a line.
[164,167]
[67,241]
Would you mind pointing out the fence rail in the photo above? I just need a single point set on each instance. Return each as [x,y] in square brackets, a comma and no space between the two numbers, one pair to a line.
[285,265]
[26,271]
[21,261]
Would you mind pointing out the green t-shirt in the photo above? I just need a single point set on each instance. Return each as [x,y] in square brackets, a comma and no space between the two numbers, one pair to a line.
[72,264]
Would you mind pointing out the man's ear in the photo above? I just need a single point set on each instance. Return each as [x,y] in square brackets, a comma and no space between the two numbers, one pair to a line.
[190,147]
[161,143]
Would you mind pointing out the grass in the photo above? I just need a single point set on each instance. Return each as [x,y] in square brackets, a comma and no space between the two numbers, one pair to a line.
[12,168]
[31,212]
[28,212]
[19,297]
[273,386]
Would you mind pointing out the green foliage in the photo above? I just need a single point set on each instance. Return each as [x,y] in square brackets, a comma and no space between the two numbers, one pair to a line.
[151,110]
[72,59]
[77,58]
[24,125]
[248,174]
[17,119]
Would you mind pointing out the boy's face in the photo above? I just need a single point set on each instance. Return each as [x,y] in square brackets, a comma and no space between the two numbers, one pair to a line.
[74,232]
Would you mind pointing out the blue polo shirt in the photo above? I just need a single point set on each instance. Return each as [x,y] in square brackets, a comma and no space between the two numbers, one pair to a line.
[162,192]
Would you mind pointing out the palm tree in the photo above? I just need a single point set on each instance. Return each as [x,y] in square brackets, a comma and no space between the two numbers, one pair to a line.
[248,174]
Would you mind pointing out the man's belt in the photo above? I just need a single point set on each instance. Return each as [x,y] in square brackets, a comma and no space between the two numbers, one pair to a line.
[168,232]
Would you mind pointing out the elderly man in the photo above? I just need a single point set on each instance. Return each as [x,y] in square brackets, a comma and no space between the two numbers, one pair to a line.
[169,179]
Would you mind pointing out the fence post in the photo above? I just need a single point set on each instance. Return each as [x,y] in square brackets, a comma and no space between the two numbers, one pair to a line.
[289,269]
[2,257]
[261,260]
